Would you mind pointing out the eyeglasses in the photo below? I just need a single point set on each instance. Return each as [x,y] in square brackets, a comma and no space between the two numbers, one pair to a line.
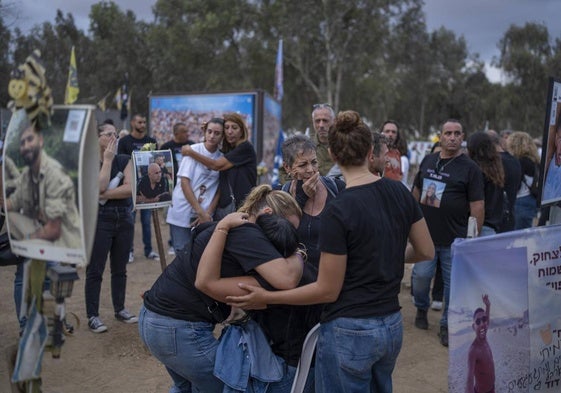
[320,106]
[109,134]
[481,320]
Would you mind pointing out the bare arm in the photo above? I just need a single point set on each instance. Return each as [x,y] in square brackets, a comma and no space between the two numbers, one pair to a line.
[477,210]
[105,171]
[325,290]
[203,216]
[487,307]
[421,247]
[208,278]
[416,193]
[220,164]
[124,191]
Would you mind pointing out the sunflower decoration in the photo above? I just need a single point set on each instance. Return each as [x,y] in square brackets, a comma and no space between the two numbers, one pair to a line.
[29,91]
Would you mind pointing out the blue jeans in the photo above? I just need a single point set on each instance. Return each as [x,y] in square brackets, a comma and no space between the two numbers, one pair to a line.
[358,355]
[422,275]
[180,237]
[285,384]
[187,349]
[145,218]
[113,234]
[525,210]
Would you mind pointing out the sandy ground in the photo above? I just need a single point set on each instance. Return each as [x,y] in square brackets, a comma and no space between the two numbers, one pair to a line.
[116,361]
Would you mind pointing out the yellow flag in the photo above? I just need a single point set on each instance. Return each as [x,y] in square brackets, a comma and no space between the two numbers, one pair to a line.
[72,88]
[102,104]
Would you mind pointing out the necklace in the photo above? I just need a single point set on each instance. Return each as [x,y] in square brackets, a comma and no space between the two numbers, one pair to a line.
[439,168]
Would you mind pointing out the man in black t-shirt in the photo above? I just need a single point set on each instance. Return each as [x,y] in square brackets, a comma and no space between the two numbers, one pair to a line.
[449,187]
[153,187]
[134,141]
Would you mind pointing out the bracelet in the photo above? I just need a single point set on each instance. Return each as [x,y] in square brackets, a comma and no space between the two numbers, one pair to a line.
[222,230]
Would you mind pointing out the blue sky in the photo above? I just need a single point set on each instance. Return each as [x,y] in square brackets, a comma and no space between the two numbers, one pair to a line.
[481,22]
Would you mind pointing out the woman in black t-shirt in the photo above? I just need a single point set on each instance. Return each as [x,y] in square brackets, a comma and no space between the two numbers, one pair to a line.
[237,167]
[363,241]
[177,321]
[482,150]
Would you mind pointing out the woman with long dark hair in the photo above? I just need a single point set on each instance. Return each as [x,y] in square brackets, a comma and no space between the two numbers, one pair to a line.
[482,150]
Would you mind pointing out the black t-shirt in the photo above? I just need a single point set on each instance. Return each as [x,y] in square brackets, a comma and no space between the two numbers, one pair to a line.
[370,224]
[242,177]
[513,176]
[493,204]
[119,164]
[174,293]
[161,188]
[286,327]
[175,154]
[128,144]
[458,182]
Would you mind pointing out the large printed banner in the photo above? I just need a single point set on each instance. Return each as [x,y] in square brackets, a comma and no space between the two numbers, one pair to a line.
[505,313]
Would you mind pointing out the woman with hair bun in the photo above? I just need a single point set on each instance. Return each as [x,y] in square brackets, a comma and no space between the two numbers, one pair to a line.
[363,243]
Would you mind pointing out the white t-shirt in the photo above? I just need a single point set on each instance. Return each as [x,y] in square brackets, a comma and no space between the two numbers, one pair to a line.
[204,183]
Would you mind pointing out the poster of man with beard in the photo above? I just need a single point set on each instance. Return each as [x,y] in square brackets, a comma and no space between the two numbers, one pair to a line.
[42,212]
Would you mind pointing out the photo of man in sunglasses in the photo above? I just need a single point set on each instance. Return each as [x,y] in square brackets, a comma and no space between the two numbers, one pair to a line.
[481,369]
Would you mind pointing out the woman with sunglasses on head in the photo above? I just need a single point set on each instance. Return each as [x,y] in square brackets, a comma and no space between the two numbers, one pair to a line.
[237,167]
[177,321]
[363,239]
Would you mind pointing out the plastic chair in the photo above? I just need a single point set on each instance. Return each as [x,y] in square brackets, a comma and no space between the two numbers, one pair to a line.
[305,360]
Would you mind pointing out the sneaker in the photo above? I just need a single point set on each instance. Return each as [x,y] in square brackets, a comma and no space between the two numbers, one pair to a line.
[421,321]
[96,326]
[131,257]
[125,316]
[153,255]
[443,335]
[171,251]
[436,305]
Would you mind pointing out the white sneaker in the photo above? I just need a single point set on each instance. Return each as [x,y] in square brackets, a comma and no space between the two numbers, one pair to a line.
[131,257]
[153,256]
[96,326]
[171,251]
[436,306]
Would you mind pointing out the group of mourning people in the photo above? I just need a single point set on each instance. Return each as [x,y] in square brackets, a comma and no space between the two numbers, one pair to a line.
[318,251]
[312,252]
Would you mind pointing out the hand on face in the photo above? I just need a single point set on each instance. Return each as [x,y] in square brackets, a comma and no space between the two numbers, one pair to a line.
[110,150]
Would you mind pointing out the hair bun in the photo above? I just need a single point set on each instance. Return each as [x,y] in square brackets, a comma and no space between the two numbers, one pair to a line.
[347,121]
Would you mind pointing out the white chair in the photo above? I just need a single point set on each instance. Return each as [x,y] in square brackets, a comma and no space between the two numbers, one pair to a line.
[305,360]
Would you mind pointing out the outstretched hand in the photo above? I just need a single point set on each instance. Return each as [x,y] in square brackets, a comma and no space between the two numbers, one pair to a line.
[486,300]
[254,300]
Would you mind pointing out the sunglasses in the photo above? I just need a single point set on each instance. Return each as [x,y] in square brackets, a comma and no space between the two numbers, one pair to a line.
[481,320]
[320,106]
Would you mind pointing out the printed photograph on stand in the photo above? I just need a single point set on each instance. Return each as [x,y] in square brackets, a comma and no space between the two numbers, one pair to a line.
[153,178]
